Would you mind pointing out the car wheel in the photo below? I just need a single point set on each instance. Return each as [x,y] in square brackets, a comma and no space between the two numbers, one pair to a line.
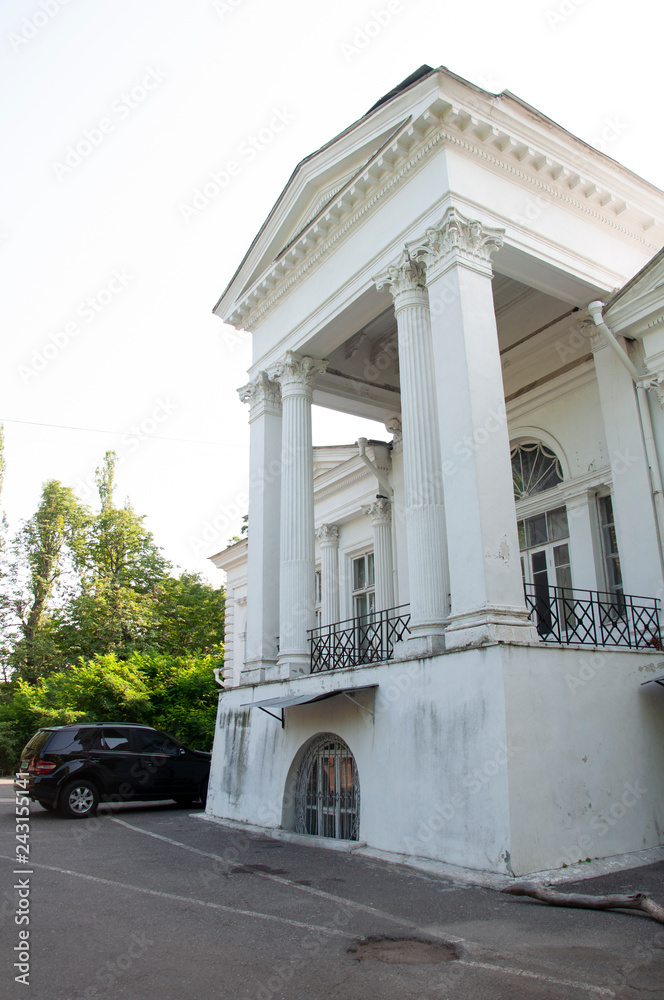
[204,791]
[79,799]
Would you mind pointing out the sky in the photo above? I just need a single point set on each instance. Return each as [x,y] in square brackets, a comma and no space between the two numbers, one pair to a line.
[115,244]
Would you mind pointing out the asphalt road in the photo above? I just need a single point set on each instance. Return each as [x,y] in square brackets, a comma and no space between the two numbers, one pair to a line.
[150,902]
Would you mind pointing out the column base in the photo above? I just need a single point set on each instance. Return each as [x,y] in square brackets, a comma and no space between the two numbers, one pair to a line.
[293,665]
[490,625]
[416,646]
[257,671]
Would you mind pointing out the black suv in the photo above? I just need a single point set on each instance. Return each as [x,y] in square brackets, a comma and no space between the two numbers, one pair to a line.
[71,768]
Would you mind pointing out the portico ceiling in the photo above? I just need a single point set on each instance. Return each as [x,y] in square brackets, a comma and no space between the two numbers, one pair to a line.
[362,376]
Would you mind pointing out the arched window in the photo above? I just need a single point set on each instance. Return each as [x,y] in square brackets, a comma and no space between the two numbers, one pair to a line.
[534,469]
[327,796]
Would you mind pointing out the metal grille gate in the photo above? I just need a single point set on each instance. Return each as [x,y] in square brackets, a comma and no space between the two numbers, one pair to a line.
[328,794]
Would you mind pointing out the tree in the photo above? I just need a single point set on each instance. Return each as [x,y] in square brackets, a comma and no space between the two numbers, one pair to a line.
[46,552]
[121,569]
[189,617]
[175,694]
[119,550]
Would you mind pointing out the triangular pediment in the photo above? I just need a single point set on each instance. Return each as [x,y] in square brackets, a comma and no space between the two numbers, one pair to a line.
[642,296]
[314,185]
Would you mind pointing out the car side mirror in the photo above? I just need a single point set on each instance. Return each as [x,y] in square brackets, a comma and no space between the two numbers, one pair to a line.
[182,751]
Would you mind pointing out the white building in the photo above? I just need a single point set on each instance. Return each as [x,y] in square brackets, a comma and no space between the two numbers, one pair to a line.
[473,688]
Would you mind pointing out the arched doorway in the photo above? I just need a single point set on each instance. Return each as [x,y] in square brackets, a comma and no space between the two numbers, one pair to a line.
[327,798]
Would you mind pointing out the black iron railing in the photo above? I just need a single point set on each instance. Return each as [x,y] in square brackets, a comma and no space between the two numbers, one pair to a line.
[595,618]
[350,643]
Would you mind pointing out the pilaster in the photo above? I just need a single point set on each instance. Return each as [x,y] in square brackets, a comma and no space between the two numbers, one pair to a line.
[380,512]
[328,538]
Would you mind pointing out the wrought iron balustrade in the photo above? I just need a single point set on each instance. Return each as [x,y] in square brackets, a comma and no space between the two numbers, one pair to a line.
[356,641]
[566,615]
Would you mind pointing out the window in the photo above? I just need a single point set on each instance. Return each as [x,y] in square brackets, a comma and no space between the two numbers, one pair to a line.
[157,743]
[364,597]
[545,564]
[113,739]
[534,469]
[72,740]
[318,597]
[327,791]
[614,582]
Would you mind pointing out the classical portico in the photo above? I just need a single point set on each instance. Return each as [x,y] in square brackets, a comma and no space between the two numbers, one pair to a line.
[422,603]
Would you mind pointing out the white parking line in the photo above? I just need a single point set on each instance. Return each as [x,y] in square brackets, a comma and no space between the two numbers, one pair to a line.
[588,987]
[188,899]
[601,990]
[283,881]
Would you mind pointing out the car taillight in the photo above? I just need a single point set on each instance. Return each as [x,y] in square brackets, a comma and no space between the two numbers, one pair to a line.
[44,766]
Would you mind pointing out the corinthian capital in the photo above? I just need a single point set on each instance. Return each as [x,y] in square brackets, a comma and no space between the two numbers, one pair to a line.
[328,534]
[380,511]
[406,275]
[457,239]
[261,392]
[296,374]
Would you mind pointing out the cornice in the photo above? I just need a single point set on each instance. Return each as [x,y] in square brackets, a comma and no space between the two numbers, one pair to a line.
[600,198]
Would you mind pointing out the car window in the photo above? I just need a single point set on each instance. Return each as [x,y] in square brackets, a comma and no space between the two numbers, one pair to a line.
[38,740]
[157,743]
[113,739]
[72,740]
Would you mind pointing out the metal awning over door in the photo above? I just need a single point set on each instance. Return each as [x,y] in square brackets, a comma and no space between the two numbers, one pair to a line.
[289,701]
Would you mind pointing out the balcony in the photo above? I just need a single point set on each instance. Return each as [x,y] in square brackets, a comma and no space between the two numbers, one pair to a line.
[358,641]
[563,615]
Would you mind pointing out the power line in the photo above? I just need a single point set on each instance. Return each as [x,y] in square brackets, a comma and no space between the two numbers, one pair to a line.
[97,430]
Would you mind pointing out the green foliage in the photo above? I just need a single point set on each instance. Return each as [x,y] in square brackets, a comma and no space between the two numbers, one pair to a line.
[190,616]
[10,747]
[183,696]
[49,544]
[175,694]
[119,550]
[103,632]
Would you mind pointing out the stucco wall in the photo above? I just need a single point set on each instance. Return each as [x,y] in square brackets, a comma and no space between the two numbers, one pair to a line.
[586,776]
[501,758]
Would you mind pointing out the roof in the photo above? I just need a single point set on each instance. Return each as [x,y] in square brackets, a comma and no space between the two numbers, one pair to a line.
[413,78]
[310,205]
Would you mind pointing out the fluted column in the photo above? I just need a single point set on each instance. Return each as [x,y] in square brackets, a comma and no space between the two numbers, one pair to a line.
[296,376]
[423,480]
[264,399]
[380,512]
[483,547]
[328,537]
